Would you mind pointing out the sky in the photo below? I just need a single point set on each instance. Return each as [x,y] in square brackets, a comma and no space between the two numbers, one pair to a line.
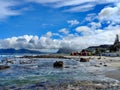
[54,24]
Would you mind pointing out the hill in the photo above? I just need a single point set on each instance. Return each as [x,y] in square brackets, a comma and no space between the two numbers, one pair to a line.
[19,51]
[65,50]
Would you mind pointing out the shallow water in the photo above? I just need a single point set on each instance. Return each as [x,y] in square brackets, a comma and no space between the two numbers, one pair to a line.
[41,70]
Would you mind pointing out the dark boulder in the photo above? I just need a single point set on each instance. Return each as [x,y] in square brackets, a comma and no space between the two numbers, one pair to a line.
[58,64]
[105,65]
[84,60]
[4,67]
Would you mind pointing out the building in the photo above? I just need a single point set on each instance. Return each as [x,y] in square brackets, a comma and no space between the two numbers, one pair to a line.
[116,46]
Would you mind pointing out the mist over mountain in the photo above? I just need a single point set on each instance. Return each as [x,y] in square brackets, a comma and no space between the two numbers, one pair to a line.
[65,50]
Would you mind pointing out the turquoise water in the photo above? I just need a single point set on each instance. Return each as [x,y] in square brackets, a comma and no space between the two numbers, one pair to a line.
[41,70]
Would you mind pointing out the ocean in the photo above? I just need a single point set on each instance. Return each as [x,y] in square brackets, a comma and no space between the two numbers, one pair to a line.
[41,70]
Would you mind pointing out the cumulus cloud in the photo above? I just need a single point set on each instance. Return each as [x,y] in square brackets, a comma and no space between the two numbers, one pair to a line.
[84,30]
[73,22]
[95,25]
[48,34]
[91,17]
[73,41]
[64,31]
[29,42]
[5,9]
[99,37]
[111,14]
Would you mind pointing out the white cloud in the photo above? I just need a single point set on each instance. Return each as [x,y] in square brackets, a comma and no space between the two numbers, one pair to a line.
[63,3]
[48,34]
[44,1]
[64,30]
[72,3]
[81,8]
[91,17]
[84,30]
[75,5]
[111,14]
[107,1]
[95,25]
[29,42]
[73,22]
[98,37]
[91,34]
[5,9]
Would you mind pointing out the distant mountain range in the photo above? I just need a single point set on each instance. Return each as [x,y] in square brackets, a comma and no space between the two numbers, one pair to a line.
[19,51]
[27,51]
[61,50]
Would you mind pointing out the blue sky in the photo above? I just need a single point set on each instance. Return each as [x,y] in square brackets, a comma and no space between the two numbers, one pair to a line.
[52,24]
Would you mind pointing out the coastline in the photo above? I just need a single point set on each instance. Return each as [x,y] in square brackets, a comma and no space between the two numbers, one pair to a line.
[103,77]
[112,62]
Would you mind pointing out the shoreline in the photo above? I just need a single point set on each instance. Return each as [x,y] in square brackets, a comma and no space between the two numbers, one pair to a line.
[112,62]
[110,73]
[115,74]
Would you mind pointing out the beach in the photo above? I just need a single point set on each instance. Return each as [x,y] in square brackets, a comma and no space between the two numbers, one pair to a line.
[111,62]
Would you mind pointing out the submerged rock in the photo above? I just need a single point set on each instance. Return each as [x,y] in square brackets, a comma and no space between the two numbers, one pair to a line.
[84,60]
[25,62]
[58,64]
[67,67]
[4,67]
[105,65]
[97,65]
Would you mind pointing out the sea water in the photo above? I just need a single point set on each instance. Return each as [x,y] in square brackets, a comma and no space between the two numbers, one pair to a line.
[42,70]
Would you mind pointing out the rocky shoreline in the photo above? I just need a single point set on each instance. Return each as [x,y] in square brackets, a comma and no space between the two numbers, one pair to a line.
[111,63]
[68,85]
[45,56]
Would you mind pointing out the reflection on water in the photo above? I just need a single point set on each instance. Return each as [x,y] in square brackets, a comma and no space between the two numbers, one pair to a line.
[41,70]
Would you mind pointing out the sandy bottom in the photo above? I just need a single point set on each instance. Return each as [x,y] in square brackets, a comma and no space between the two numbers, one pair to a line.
[113,74]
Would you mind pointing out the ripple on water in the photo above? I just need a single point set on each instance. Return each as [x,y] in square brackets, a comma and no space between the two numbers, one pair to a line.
[42,70]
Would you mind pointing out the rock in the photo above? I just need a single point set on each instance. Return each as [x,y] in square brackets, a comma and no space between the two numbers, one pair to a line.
[58,64]
[84,60]
[11,62]
[105,65]
[97,66]
[66,67]
[111,60]
[4,67]
[99,58]
[25,62]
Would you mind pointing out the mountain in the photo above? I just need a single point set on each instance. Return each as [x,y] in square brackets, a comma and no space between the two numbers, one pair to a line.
[65,50]
[101,46]
[19,51]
